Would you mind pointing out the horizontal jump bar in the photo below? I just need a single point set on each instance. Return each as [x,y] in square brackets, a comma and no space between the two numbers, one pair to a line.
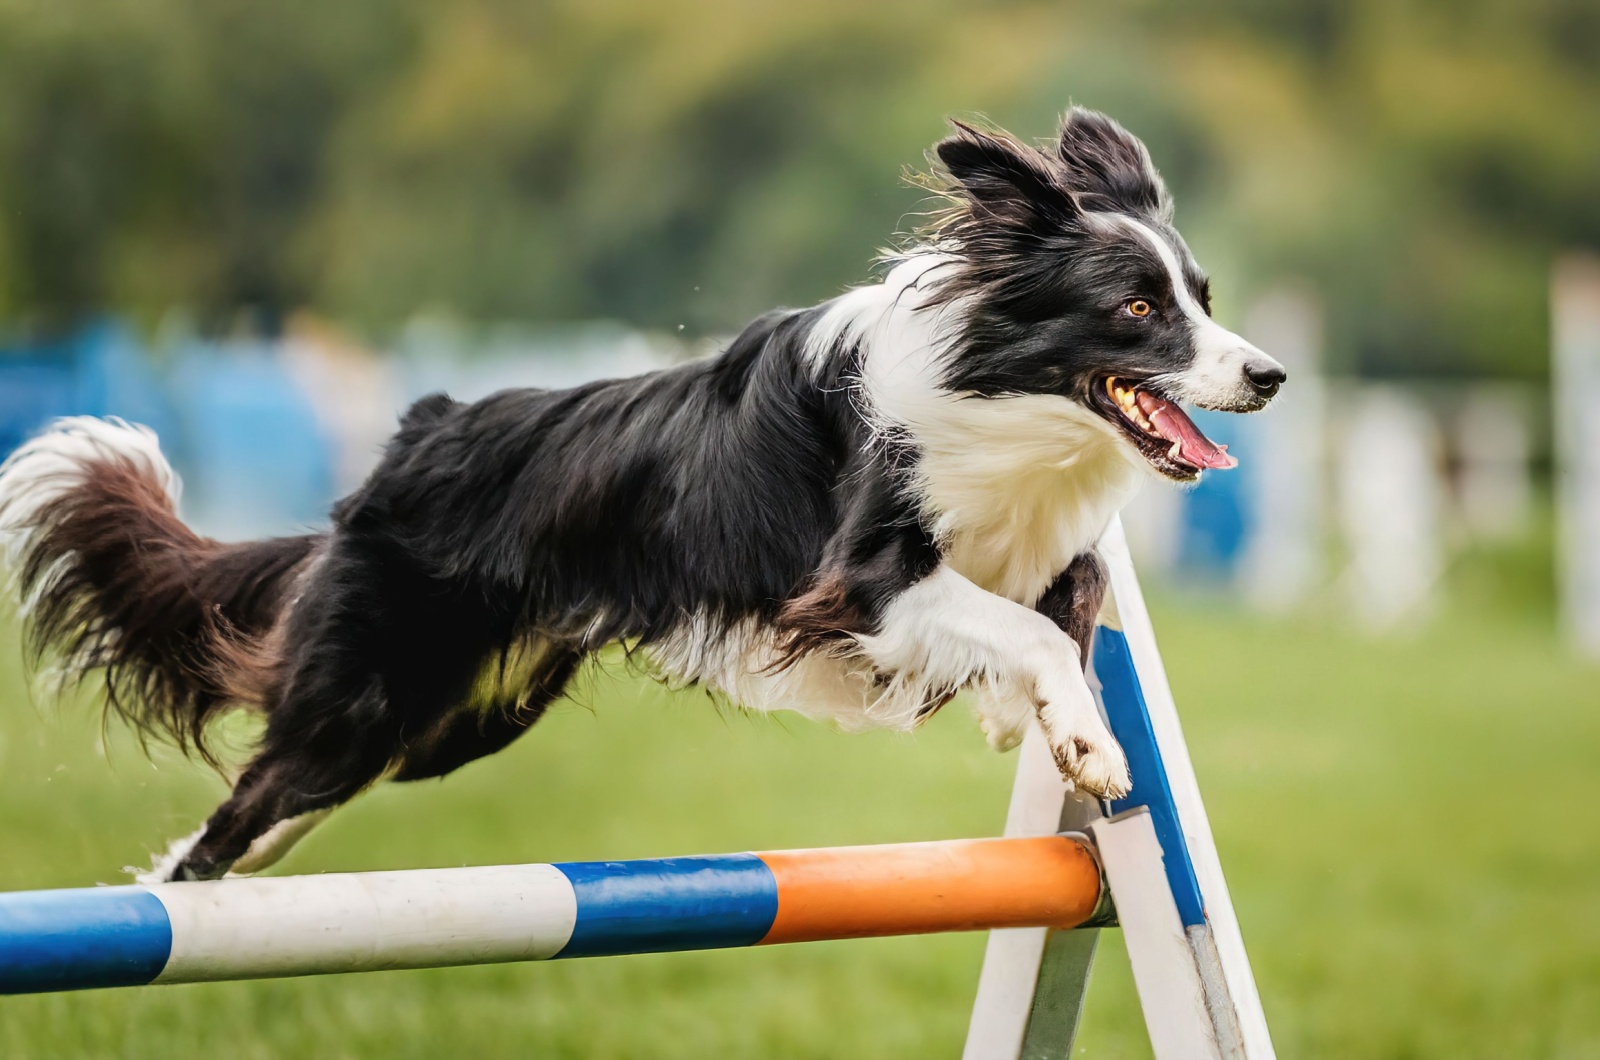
[422,918]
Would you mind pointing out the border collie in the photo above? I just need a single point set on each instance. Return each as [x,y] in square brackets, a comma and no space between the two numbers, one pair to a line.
[855,511]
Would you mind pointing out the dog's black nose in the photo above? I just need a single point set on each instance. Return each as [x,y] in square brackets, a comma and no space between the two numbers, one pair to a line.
[1266,378]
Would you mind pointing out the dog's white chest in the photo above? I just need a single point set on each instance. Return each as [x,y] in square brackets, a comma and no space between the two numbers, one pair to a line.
[1014,534]
[1016,562]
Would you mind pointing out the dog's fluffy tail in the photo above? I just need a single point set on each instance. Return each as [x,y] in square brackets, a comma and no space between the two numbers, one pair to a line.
[109,578]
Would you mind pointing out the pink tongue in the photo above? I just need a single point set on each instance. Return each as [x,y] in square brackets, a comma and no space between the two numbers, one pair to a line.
[1170,423]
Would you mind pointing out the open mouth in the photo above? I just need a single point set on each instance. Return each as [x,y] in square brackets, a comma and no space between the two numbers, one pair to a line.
[1159,429]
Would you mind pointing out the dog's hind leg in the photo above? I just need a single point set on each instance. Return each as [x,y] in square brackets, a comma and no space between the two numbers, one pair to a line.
[374,654]
[296,775]
[476,730]
[265,851]
[270,846]
[299,779]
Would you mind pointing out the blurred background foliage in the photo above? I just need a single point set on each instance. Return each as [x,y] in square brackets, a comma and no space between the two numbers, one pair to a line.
[1415,164]
[697,162]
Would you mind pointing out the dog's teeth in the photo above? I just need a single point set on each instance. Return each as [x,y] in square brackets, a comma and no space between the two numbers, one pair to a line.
[1172,454]
[1127,400]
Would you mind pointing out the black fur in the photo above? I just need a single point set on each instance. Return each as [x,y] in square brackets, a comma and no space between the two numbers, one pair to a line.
[739,487]
[1048,285]
[1073,600]
[498,543]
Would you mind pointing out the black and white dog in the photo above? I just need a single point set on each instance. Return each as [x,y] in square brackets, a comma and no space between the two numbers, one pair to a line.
[854,511]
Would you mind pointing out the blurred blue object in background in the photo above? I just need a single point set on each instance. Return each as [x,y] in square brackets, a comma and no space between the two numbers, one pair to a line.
[255,458]
[37,383]
[1217,519]
[116,377]
[230,417]
[266,434]
[101,370]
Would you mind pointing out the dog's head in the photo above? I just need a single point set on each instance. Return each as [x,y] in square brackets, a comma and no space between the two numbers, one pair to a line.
[1073,282]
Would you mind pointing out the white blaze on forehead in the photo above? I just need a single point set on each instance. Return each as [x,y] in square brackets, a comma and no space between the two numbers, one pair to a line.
[1180,288]
[1217,375]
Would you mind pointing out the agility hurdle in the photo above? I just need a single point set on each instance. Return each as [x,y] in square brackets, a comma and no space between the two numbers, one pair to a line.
[1065,869]
[1161,865]
[422,918]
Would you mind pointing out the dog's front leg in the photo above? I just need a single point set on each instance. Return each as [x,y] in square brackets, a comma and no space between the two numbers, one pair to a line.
[944,632]
[1003,715]
[1072,602]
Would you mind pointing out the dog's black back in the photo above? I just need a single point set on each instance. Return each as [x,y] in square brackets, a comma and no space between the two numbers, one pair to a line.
[607,511]
[866,506]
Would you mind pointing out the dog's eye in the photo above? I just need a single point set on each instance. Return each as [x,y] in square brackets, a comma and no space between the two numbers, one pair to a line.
[1139,307]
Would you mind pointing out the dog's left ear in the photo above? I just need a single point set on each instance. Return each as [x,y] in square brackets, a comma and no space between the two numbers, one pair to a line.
[1005,179]
[1107,164]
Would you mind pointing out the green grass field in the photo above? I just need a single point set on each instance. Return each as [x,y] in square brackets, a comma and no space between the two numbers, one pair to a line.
[1409,829]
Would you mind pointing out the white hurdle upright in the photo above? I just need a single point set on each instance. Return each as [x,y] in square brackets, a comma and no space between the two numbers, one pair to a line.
[1160,861]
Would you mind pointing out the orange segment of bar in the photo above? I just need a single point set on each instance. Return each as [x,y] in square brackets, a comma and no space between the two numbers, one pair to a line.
[919,888]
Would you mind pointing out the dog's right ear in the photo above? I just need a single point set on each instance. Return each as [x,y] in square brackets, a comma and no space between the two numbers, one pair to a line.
[1108,167]
[1003,177]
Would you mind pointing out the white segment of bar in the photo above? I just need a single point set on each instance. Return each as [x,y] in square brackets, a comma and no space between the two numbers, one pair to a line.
[365,921]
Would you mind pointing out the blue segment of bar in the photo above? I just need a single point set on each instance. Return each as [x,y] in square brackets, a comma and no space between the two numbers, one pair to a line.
[80,939]
[695,903]
[1130,724]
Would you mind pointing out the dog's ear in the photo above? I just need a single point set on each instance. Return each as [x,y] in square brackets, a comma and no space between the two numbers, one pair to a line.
[1108,166]
[1003,177]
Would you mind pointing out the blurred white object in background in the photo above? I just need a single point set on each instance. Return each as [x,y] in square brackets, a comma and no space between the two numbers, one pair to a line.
[435,354]
[1389,494]
[1575,397]
[353,391]
[1283,559]
[1153,522]
[1493,445]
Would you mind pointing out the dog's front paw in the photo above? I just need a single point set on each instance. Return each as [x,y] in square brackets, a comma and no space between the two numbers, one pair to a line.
[1093,764]
[1085,751]
[1003,733]
[1004,718]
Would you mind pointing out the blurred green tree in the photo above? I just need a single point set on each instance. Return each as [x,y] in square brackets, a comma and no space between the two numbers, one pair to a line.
[693,163]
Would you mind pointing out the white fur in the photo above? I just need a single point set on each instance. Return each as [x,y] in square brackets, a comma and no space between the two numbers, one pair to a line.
[1003,716]
[270,846]
[267,850]
[1014,488]
[1217,377]
[161,865]
[946,632]
[943,633]
[52,464]
[869,314]
[842,690]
